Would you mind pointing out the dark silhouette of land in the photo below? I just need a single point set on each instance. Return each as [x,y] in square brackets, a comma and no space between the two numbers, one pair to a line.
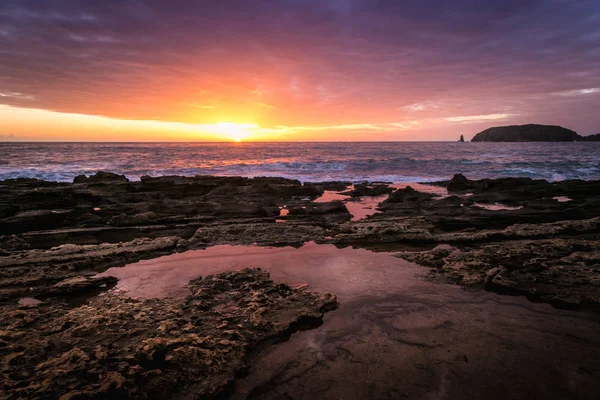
[532,133]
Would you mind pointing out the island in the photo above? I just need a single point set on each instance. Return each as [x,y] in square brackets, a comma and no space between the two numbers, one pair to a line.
[590,138]
[532,133]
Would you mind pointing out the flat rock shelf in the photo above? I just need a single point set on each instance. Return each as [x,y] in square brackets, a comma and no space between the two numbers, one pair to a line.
[151,289]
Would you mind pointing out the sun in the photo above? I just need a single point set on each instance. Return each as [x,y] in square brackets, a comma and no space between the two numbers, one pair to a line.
[235,132]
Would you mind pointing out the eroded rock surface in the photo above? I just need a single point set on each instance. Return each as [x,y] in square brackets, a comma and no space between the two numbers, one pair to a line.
[117,347]
[514,236]
[53,232]
[563,272]
[108,207]
[39,272]
[545,249]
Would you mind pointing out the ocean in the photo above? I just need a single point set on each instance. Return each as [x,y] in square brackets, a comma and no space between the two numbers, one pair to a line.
[390,162]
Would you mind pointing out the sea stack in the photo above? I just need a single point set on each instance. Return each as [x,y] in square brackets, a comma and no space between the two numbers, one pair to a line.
[462,138]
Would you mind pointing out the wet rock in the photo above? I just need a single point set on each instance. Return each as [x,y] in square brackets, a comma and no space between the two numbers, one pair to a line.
[204,210]
[563,272]
[173,204]
[145,218]
[363,189]
[35,272]
[432,259]
[407,195]
[459,183]
[176,186]
[266,234]
[101,177]
[329,212]
[11,243]
[33,220]
[390,230]
[8,210]
[117,347]
[335,186]
[79,285]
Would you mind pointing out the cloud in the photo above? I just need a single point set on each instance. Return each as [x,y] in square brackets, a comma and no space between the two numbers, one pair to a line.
[321,63]
[16,95]
[204,106]
[262,105]
[425,105]
[578,92]
[475,118]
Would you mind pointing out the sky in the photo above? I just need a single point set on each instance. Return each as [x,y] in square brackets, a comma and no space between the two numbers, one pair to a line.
[298,70]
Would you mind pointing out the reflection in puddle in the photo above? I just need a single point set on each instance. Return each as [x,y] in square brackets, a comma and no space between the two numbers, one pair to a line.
[364,207]
[330,195]
[392,325]
[496,207]
[168,276]
[562,199]
[420,187]
[283,211]
[29,301]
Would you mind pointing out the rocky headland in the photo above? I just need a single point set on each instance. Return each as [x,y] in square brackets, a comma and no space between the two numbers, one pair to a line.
[532,133]
[512,236]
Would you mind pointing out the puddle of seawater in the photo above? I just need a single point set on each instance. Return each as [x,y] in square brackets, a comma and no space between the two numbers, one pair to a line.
[420,187]
[283,211]
[168,276]
[497,207]
[330,195]
[562,199]
[29,301]
[362,207]
[396,334]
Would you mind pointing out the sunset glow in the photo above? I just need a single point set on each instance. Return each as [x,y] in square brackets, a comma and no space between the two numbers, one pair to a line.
[259,199]
[349,70]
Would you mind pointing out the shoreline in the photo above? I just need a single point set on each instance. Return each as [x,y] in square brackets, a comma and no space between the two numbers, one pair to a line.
[156,216]
[516,236]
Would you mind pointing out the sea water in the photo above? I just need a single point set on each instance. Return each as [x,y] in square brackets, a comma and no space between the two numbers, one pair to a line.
[355,162]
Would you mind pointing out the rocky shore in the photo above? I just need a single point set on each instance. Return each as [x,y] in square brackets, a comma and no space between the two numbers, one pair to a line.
[117,347]
[514,236]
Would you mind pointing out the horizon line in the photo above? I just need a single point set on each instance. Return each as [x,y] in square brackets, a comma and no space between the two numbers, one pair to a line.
[234,142]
